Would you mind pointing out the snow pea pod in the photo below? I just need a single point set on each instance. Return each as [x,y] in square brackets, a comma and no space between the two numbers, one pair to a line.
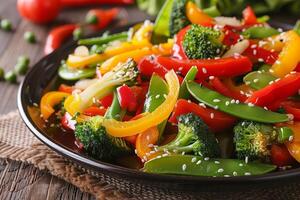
[115,111]
[190,76]
[103,39]
[258,79]
[75,74]
[260,32]
[232,107]
[197,166]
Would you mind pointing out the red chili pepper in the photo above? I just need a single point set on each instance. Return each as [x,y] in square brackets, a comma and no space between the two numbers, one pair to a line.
[223,89]
[216,120]
[280,156]
[278,91]
[72,3]
[58,35]
[106,101]
[65,88]
[292,107]
[67,122]
[178,51]
[104,17]
[256,53]
[126,98]
[93,111]
[226,67]
[249,16]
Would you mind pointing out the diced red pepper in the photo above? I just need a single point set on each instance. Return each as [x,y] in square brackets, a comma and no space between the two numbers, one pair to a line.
[278,91]
[249,16]
[67,122]
[106,101]
[280,156]
[94,111]
[230,37]
[65,88]
[256,53]
[178,51]
[127,99]
[224,67]
[216,120]
[292,107]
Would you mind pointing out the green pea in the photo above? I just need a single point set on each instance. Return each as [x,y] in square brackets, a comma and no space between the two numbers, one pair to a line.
[1,73]
[91,19]
[11,77]
[285,134]
[6,25]
[77,33]
[22,65]
[30,37]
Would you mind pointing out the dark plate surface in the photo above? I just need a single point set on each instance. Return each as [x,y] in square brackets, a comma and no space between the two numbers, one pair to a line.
[44,75]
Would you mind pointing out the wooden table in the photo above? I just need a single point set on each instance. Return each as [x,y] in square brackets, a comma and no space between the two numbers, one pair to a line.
[19,180]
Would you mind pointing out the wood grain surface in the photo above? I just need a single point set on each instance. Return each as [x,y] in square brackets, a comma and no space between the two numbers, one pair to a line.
[19,180]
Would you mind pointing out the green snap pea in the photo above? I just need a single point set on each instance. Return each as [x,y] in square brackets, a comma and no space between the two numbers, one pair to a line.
[77,33]
[232,107]
[115,111]
[258,79]
[103,39]
[212,11]
[11,77]
[285,134]
[97,49]
[190,76]
[91,19]
[260,32]
[30,37]
[6,25]
[75,74]
[1,73]
[263,19]
[22,65]
[199,166]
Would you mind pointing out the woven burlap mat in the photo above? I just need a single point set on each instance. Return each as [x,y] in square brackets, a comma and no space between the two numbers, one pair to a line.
[18,143]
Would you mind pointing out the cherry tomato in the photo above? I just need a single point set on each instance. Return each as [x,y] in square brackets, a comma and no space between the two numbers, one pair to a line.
[39,11]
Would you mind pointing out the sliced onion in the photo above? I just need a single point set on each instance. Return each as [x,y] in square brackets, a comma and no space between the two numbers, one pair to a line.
[81,51]
[238,48]
[231,21]
[84,83]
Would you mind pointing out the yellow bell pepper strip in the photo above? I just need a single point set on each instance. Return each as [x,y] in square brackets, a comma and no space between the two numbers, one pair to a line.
[197,16]
[126,46]
[49,100]
[74,61]
[136,55]
[274,43]
[289,56]
[144,32]
[161,113]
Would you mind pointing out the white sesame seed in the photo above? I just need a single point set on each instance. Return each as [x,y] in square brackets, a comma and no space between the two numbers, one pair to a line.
[246,159]
[234,173]
[232,101]
[202,105]
[290,116]
[247,173]
[165,96]
[217,162]
[204,70]
[198,162]
[211,77]
[183,167]
[216,107]
[212,115]
[206,158]
[194,159]
[183,153]
[35,105]
[216,100]
[291,138]
[157,96]
[227,103]
[260,60]
[255,80]
[220,170]
[250,104]
[277,62]
[241,164]
[226,175]
[254,52]
[135,151]
[237,101]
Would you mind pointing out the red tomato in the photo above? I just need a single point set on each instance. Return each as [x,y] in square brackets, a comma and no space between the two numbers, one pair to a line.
[280,156]
[39,11]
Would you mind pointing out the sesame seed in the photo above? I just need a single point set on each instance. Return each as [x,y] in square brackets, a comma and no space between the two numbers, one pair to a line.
[135,151]
[216,107]
[290,116]
[220,170]
[165,96]
[198,162]
[237,101]
[291,138]
[189,101]
[217,162]
[183,167]
[254,52]
[227,103]
[226,175]
[216,100]
[247,173]
[241,164]
[253,46]
[247,82]
[255,80]
[232,101]
[250,104]
[234,173]
[211,77]
[157,96]
[271,82]
[35,105]
[204,70]
[206,158]
[164,155]
[246,159]
[212,115]
[266,108]
[183,153]
[194,159]
[202,105]
[277,62]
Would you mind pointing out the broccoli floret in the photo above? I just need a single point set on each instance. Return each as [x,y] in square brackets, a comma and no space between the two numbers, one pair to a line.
[97,142]
[193,137]
[178,18]
[202,42]
[254,140]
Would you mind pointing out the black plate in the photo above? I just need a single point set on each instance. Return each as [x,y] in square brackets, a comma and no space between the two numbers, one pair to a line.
[45,72]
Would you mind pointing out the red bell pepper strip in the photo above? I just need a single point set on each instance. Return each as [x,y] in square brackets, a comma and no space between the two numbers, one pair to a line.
[297,69]
[225,67]
[292,107]
[222,89]
[178,51]
[67,122]
[230,37]
[58,35]
[106,101]
[104,17]
[126,98]
[280,156]
[278,91]
[65,88]
[249,16]
[94,111]
[216,120]
[72,3]
[258,53]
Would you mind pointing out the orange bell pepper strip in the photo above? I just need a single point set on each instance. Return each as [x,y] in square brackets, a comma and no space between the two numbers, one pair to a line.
[289,56]
[144,32]
[275,43]
[197,16]
[49,100]
[294,145]
[160,114]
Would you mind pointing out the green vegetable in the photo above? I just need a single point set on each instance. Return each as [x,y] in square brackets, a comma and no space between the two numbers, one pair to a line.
[155,96]
[297,27]
[190,76]
[29,37]
[228,105]
[77,33]
[258,79]
[91,19]
[285,134]
[202,42]
[263,19]
[97,142]
[253,140]
[97,49]
[152,7]
[115,111]
[1,73]
[212,11]
[22,65]
[193,137]
[178,18]
[11,77]
[6,25]
[103,39]
[75,74]
[199,166]
[260,32]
